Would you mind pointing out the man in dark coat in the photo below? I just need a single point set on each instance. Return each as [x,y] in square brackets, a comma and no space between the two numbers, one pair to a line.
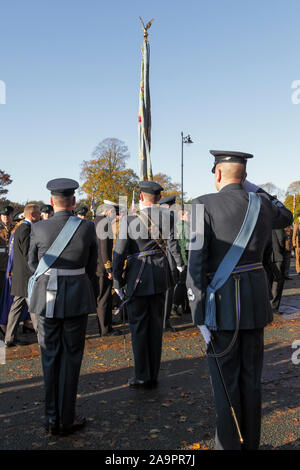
[242,303]
[277,267]
[142,241]
[168,202]
[21,274]
[61,329]
[105,237]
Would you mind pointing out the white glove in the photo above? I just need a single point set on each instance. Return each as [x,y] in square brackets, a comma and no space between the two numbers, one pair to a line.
[119,293]
[250,187]
[205,333]
[180,268]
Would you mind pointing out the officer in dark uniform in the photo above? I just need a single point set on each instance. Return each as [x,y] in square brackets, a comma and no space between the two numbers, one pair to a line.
[277,267]
[168,202]
[81,212]
[142,241]
[105,237]
[242,303]
[46,211]
[6,227]
[62,333]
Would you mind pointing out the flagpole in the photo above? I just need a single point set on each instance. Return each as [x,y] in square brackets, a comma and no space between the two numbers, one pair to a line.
[144,119]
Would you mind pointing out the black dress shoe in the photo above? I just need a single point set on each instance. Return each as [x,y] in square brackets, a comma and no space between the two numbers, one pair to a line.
[78,424]
[52,427]
[136,383]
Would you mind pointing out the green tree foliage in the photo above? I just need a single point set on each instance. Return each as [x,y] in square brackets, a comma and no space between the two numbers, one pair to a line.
[106,175]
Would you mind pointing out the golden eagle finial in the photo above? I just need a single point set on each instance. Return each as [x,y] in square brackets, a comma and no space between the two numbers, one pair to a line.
[146,27]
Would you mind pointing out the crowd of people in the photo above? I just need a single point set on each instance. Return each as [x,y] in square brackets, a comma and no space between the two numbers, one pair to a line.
[14,272]
[231,284]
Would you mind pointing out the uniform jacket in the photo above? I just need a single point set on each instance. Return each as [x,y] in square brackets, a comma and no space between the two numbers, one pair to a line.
[75,293]
[224,213]
[278,245]
[134,238]
[105,244]
[5,233]
[21,272]
[296,235]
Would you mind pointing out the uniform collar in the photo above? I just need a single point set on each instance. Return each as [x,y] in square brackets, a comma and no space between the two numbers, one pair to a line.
[233,186]
[64,212]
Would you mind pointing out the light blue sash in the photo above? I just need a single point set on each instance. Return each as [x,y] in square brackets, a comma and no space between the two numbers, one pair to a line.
[54,251]
[231,259]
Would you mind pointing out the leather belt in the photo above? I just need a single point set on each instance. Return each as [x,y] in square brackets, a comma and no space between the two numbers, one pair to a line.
[145,253]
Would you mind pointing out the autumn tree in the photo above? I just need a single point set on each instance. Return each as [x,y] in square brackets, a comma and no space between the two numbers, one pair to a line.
[5,180]
[106,175]
[289,203]
[293,188]
[170,189]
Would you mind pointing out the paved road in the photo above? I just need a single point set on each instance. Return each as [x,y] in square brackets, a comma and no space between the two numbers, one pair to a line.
[179,414]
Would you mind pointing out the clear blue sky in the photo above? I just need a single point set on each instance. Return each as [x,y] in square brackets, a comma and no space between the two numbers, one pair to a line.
[221,70]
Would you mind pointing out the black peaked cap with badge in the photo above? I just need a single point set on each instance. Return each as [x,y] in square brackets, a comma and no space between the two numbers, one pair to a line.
[46,208]
[62,186]
[6,210]
[82,210]
[230,157]
[150,187]
[169,200]
[18,216]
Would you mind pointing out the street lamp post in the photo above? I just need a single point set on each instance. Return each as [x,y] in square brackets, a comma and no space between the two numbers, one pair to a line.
[184,140]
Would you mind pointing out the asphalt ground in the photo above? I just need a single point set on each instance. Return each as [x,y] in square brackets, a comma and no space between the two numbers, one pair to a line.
[178,415]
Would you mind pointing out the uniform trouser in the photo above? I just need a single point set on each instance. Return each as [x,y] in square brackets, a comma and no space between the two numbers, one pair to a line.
[241,369]
[277,283]
[104,305]
[16,309]
[287,263]
[168,305]
[62,345]
[146,316]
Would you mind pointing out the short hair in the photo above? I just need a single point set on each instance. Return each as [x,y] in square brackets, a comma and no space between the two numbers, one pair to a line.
[153,198]
[63,201]
[233,170]
[29,208]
